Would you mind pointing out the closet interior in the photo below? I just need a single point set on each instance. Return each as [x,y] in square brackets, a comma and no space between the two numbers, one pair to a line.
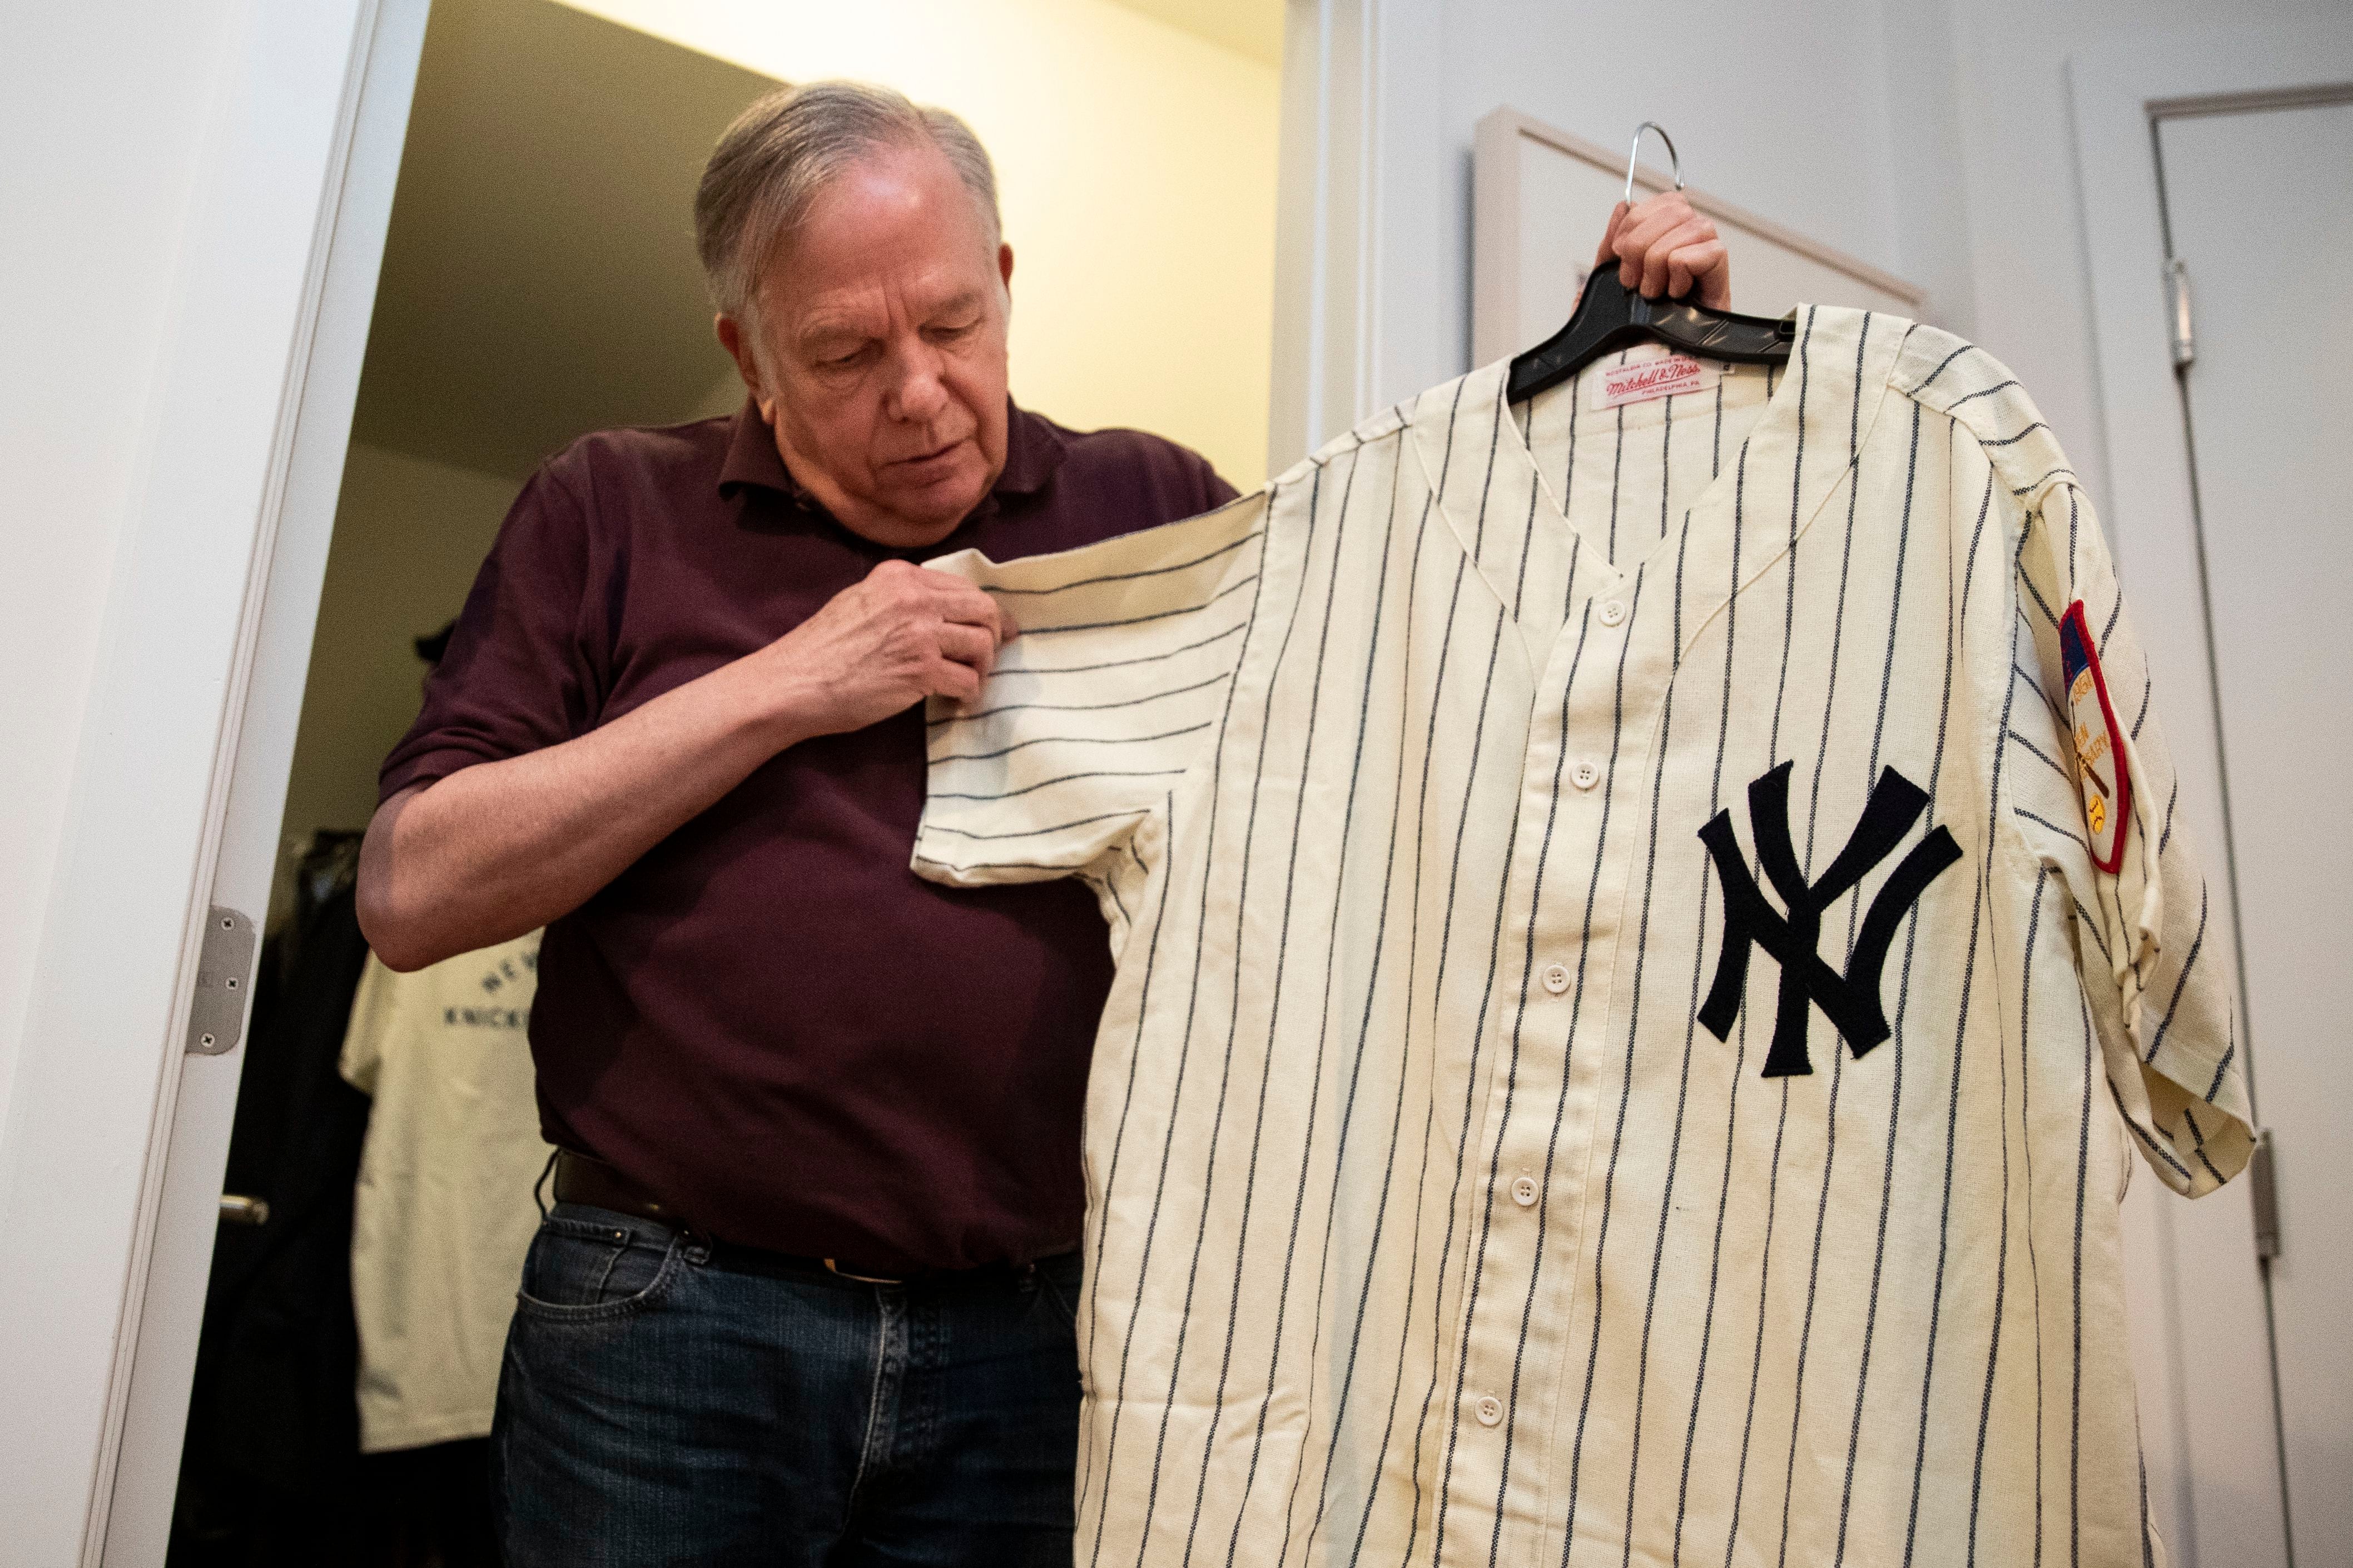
[539,280]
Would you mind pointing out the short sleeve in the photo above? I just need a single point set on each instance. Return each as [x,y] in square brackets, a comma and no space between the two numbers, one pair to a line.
[2085,738]
[1115,688]
[520,671]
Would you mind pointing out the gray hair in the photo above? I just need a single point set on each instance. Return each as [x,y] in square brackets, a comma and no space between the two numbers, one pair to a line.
[772,162]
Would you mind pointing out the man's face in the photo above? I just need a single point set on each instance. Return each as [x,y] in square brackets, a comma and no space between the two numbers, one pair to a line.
[880,364]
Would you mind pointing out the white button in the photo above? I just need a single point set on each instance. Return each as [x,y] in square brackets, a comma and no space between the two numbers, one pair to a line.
[1490,1410]
[1555,978]
[1586,775]
[1523,1192]
[1612,611]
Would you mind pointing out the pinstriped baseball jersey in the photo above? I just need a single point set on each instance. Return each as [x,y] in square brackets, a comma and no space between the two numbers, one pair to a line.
[1623,1048]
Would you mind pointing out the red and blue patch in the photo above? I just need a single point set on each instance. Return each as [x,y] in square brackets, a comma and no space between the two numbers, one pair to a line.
[2100,771]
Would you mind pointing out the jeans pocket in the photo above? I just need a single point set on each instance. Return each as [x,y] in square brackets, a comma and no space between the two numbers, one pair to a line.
[581,1269]
[1057,1280]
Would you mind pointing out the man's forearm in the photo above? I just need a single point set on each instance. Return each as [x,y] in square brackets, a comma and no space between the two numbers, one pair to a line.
[501,848]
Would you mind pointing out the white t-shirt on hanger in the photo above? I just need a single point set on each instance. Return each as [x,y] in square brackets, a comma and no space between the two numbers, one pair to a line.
[444,1209]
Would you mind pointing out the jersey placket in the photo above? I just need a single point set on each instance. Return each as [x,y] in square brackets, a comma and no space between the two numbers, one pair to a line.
[1590,732]
[1582,811]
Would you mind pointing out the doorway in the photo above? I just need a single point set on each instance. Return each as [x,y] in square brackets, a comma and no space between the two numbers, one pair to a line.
[2271,476]
[2226,478]
[538,281]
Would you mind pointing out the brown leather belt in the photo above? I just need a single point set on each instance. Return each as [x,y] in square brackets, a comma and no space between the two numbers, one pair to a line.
[580,1179]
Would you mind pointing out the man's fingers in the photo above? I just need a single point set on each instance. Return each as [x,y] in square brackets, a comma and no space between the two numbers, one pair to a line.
[1692,230]
[1654,272]
[1707,269]
[1651,234]
[959,601]
[1636,239]
[1641,228]
[1645,224]
[968,605]
[974,648]
[958,683]
[1660,249]
[1664,208]
[1608,251]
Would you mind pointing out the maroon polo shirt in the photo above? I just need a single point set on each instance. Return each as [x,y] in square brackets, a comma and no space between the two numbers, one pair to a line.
[768,1021]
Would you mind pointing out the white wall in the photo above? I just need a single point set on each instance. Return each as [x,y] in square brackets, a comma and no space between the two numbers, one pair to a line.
[2025,236]
[1790,110]
[89,104]
[1929,138]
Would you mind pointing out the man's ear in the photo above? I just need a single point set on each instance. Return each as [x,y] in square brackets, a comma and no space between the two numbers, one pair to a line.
[738,344]
[1005,274]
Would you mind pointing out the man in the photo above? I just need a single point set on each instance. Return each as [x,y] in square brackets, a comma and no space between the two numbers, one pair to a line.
[806,1291]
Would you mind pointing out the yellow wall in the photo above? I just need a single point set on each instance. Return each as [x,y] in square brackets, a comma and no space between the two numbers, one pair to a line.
[1136,167]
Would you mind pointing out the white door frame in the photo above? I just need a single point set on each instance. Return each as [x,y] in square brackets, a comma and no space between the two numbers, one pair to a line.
[272,290]
[2201,1333]
[1327,224]
[273,651]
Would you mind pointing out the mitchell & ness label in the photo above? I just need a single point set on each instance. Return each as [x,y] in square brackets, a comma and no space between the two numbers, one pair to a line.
[1641,380]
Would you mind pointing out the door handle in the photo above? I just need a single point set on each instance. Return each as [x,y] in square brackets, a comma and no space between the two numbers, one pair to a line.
[235,1208]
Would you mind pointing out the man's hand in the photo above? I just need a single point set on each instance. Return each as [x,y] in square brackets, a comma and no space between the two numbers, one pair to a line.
[495,850]
[1662,246]
[904,633]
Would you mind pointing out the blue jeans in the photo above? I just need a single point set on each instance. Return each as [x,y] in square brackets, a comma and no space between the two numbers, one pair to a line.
[656,1408]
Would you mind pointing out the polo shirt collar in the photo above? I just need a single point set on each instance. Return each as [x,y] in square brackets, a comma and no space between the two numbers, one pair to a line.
[1034,448]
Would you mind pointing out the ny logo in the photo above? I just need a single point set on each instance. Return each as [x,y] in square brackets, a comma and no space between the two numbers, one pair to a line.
[1851,1001]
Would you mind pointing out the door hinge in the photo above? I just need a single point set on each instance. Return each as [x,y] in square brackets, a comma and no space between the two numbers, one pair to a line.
[2265,1196]
[2177,292]
[224,983]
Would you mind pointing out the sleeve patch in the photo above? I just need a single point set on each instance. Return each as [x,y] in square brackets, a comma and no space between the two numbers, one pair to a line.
[2100,770]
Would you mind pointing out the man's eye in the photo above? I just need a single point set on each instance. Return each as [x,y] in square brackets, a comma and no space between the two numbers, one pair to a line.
[842,361]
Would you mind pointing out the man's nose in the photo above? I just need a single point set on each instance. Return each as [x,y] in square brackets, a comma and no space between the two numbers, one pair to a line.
[918,394]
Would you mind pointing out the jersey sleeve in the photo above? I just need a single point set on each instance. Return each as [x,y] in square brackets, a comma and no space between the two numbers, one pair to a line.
[1114,688]
[2093,789]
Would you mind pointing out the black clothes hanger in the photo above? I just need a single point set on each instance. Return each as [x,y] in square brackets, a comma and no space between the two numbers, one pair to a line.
[1609,317]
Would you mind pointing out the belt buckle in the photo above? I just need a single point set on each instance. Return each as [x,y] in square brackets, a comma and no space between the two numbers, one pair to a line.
[833,1267]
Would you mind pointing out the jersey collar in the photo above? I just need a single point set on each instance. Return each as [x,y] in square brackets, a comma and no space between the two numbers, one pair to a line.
[1822,410]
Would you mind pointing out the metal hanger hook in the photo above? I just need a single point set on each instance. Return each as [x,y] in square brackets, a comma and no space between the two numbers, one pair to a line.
[1633,156]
